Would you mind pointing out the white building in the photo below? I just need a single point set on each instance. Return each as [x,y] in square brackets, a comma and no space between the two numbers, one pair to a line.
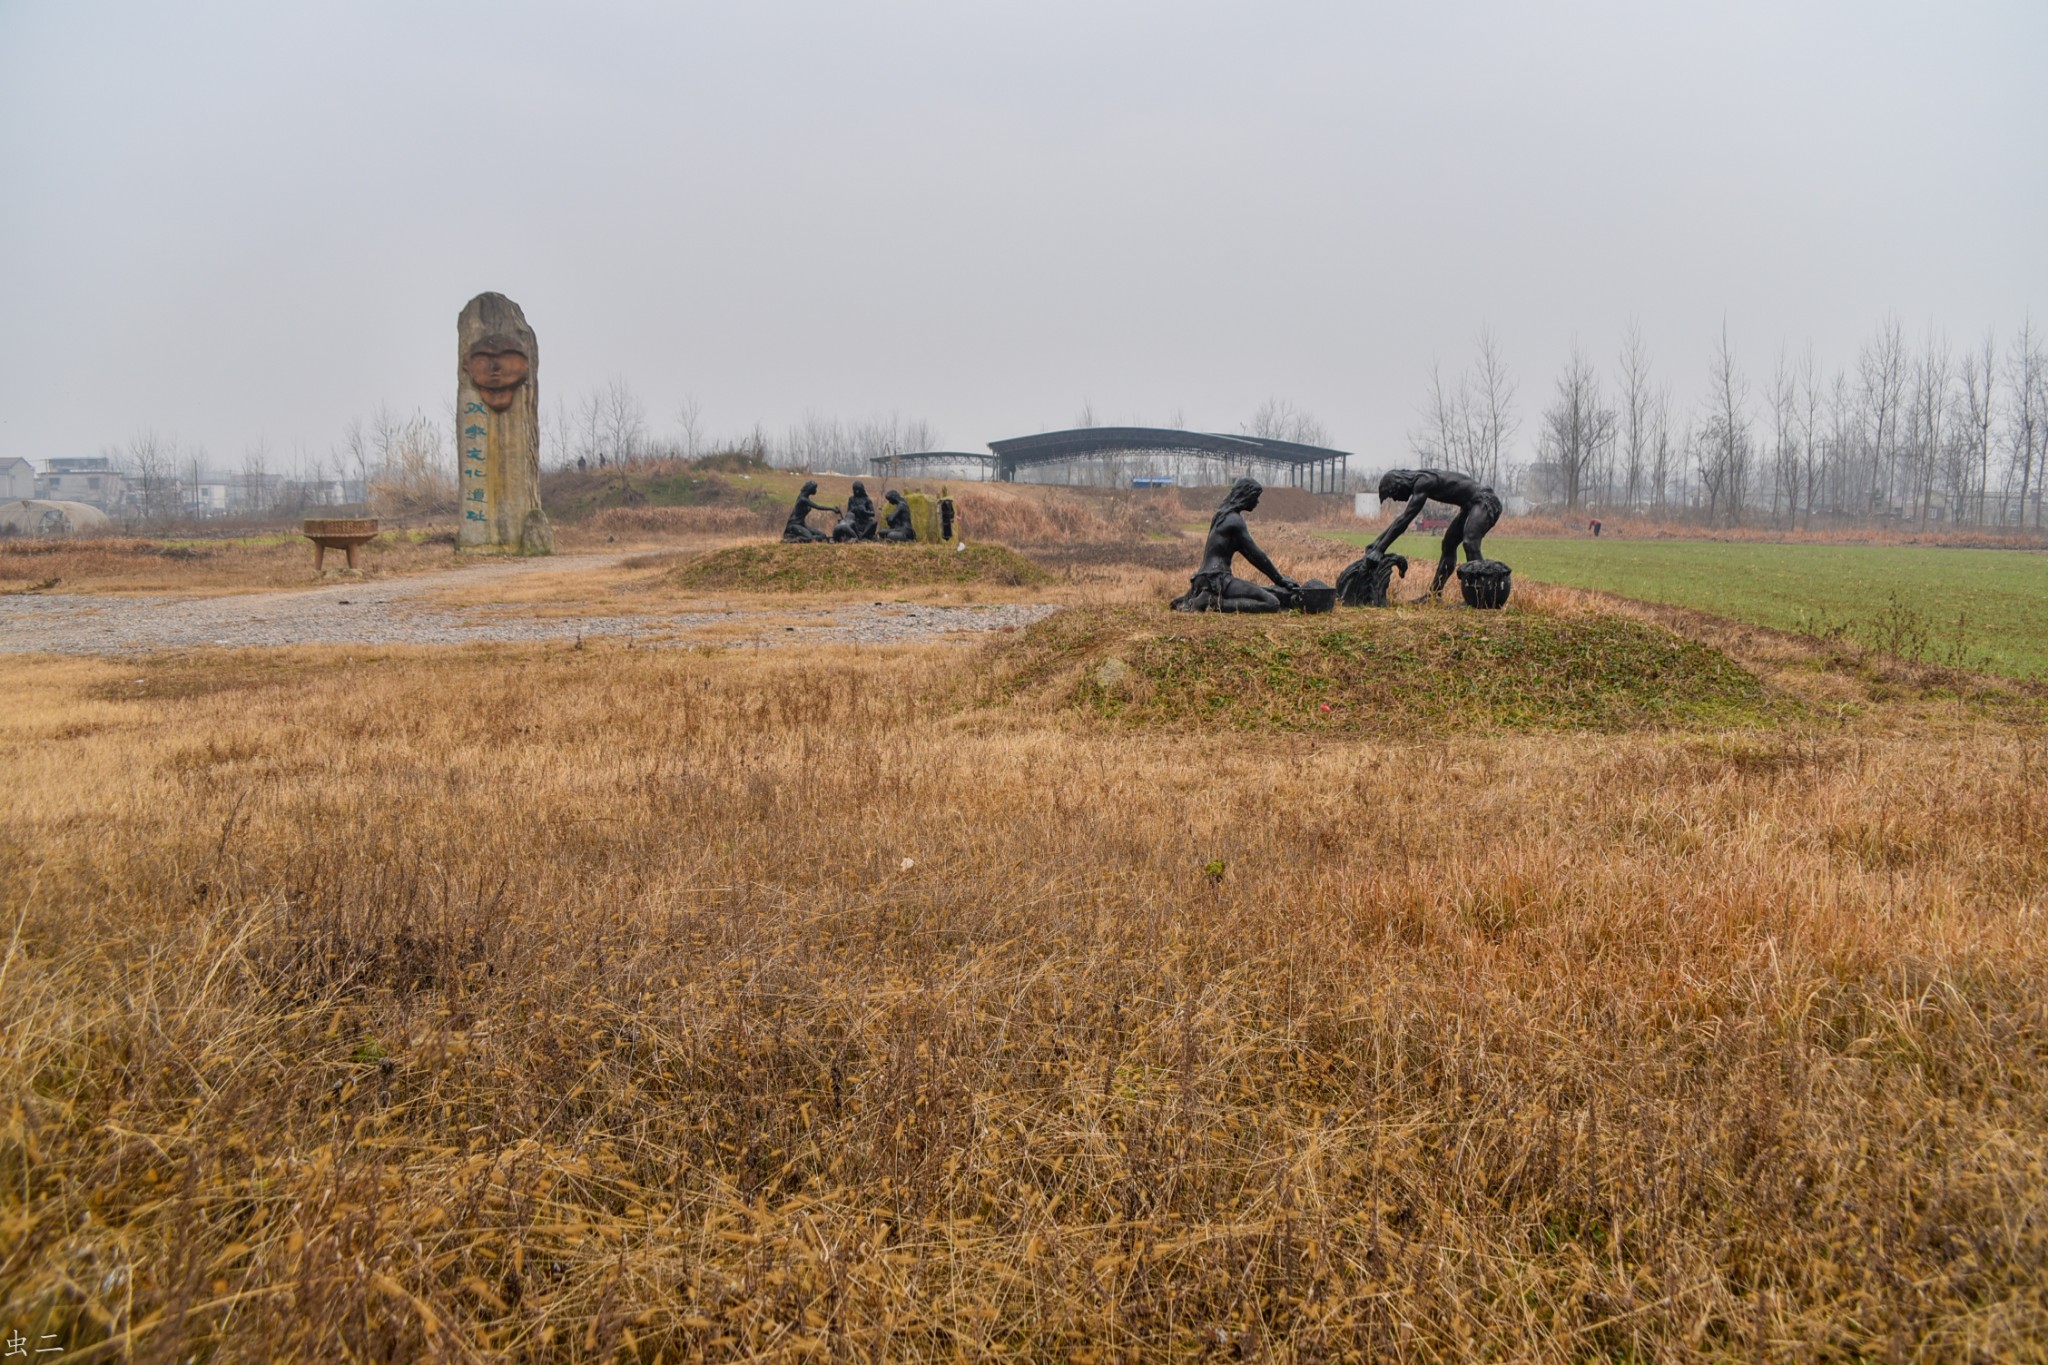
[17,479]
[91,479]
[206,494]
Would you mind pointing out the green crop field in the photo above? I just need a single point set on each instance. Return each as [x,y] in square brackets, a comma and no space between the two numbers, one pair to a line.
[1905,599]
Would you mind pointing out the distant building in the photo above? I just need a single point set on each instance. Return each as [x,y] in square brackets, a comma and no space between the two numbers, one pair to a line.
[91,479]
[320,492]
[205,494]
[1543,484]
[17,479]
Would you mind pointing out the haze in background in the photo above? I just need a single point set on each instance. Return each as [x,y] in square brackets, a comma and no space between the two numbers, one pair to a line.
[244,223]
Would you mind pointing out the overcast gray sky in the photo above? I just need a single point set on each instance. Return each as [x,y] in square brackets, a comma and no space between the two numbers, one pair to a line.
[236,222]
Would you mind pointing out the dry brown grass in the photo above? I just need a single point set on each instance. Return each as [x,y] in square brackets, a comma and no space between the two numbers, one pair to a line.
[200,566]
[607,1003]
[644,523]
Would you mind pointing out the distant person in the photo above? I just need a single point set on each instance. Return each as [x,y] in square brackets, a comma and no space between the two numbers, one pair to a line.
[798,530]
[858,521]
[1594,526]
[1478,509]
[1214,587]
[582,465]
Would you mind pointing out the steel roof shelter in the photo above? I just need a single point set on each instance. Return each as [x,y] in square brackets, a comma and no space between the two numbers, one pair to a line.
[1315,468]
[881,465]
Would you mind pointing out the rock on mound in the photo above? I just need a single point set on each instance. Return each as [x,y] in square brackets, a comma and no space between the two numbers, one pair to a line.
[846,568]
[1373,671]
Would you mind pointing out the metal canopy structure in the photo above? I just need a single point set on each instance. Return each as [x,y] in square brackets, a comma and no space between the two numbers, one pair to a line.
[1316,468]
[882,465]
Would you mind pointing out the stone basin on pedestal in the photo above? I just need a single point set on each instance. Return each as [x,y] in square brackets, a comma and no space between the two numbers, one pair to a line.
[338,533]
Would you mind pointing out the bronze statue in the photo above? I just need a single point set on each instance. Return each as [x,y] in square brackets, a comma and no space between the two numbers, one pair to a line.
[1213,587]
[798,529]
[1483,581]
[896,526]
[857,522]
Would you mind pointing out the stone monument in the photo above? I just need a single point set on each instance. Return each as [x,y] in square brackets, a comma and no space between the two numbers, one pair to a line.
[497,430]
[1484,582]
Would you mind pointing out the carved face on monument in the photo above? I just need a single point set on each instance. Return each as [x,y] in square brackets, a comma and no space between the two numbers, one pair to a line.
[497,367]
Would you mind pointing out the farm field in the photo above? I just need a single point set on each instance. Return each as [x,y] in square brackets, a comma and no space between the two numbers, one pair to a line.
[1048,998]
[2001,596]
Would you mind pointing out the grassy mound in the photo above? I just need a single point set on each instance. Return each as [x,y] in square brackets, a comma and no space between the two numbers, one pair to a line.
[732,482]
[846,568]
[1361,671]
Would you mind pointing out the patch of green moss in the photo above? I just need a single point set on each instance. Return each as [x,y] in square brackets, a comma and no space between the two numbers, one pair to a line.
[828,567]
[1362,671]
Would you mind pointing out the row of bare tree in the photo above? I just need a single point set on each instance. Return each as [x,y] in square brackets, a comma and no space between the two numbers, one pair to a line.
[1927,434]
[165,480]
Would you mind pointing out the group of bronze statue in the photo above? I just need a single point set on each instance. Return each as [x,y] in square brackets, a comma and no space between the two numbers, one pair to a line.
[1214,587]
[1484,582]
[856,520]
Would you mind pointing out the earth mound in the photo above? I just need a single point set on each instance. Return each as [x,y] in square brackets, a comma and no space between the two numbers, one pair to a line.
[846,568]
[1369,671]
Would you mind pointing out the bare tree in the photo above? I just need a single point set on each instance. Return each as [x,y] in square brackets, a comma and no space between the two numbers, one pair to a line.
[625,422]
[1980,376]
[1811,402]
[690,427]
[1280,420]
[557,436]
[1468,427]
[589,427]
[1929,411]
[1845,422]
[385,429]
[1086,417]
[259,483]
[419,477]
[1724,452]
[2026,371]
[1492,411]
[352,452]
[1440,440]
[1784,440]
[1636,402]
[1577,426]
[1662,450]
[151,463]
[1882,369]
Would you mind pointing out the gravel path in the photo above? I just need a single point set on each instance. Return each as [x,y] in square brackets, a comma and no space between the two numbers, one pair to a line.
[395,612]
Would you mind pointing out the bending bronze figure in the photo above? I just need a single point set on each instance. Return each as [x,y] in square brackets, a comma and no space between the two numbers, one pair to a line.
[1484,582]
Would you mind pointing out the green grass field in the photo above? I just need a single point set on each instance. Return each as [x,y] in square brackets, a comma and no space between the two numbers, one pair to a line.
[1902,599]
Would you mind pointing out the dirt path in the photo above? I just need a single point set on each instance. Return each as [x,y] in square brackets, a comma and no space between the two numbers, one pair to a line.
[400,611]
